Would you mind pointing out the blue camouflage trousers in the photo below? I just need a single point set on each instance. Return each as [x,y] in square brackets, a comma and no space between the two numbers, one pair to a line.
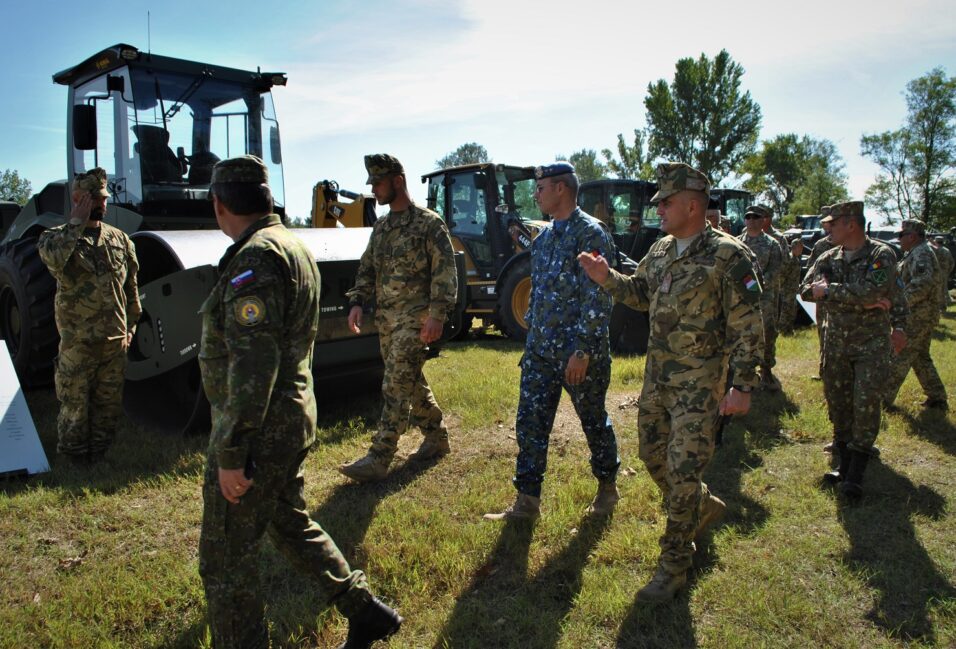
[541,383]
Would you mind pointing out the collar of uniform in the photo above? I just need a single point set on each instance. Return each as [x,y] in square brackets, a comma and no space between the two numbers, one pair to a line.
[398,219]
[266,221]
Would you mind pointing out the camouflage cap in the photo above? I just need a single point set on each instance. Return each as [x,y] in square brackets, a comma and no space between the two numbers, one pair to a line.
[762,211]
[244,169]
[380,165]
[92,181]
[849,208]
[825,213]
[674,177]
[912,225]
[556,169]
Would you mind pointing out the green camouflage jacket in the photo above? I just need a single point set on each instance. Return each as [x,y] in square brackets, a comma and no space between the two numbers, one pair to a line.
[770,262]
[920,272]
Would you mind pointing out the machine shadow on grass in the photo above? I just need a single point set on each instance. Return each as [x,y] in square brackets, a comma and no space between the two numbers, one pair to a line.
[501,607]
[888,556]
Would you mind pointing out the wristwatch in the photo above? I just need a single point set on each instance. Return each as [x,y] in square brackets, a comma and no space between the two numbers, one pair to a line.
[580,355]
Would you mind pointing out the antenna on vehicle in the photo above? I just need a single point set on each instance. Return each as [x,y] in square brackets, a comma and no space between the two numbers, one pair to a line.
[149,35]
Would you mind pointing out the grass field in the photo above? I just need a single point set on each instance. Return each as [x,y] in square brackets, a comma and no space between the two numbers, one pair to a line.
[106,557]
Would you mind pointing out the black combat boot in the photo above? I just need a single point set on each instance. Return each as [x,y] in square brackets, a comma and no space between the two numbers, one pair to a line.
[375,621]
[852,485]
[834,478]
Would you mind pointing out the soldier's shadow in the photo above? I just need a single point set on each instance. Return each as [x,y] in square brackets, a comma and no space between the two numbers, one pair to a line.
[664,626]
[889,557]
[934,426]
[535,607]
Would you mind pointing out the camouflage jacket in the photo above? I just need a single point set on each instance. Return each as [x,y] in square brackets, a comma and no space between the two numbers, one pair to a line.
[408,267]
[567,312]
[703,307]
[919,270]
[258,326]
[95,271]
[946,264]
[770,261]
[820,247]
[855,281]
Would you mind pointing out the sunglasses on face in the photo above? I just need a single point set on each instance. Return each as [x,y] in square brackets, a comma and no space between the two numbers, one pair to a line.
[752,217]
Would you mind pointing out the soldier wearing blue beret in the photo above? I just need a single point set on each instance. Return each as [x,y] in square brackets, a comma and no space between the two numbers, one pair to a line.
[567,346]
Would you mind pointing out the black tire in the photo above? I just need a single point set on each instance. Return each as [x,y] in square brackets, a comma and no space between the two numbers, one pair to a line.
[466,322]
[26,312]
[629,330]
[513,301]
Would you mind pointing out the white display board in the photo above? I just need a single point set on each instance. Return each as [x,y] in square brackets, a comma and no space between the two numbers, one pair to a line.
[20,447]
[809,307]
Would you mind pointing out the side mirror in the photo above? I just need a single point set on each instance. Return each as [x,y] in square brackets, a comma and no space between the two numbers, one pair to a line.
[84,127]
[275,149]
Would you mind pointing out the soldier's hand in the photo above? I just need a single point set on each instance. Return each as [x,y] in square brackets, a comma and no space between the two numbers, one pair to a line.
[898,340]
[233,484]
[355,319]
[431,330]
[882,303]
[819,288]
[595,266]
[576,370]
[82,208]
[735,402]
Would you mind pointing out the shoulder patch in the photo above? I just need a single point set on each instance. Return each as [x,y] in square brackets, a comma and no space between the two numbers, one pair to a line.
[250,311]
[744,281]
[245,277]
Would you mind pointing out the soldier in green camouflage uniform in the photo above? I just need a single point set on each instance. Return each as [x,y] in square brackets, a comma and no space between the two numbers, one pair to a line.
[770,265]
[946,264]
[97,308]
[408,270]
[259,327]
[920,274]
[857,281]
[820,247]
[703,297]
[790,285]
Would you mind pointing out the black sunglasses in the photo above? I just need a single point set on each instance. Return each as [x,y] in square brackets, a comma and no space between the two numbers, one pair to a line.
[752,217]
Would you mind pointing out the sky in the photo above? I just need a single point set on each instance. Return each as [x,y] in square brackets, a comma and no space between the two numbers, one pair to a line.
[417,78]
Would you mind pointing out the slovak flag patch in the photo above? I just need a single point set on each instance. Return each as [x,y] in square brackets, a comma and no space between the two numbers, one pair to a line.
[243,278]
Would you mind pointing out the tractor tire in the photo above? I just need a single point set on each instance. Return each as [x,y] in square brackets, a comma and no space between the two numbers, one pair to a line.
[629,331]
[27,321]
[513,301]
[466,323]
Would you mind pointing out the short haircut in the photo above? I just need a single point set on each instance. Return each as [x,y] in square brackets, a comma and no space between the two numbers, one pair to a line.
[702,198]
[859,219]
[570,181]
[243,199]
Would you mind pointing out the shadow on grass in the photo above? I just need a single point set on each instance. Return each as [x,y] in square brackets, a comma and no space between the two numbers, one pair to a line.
[501,607]
[934,426]
[889,557]
[189,638]
[662,626]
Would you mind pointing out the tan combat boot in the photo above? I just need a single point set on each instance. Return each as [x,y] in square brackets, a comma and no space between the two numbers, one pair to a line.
[431,448]
[366,469]
[525,507]
[711,511]
[662,586]
[604,500]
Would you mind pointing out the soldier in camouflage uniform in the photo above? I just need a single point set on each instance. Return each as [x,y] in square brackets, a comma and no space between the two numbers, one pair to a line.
[770,264]
[790,285]
[409,271]
[857,281]
[920,274]
[567,346]
[259,327]
[946,264]
[820,247]
[703,296]
[97,308]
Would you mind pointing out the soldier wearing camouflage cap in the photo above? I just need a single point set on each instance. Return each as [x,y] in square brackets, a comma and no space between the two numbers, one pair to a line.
[946,265]
[703,297]
[820,247]
[921,276]
[259,326]
[408,271]
[97,308]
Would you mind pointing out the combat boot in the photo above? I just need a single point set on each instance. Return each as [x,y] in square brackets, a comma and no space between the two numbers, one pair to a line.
[370,468]
[663,586]
[604,500]
[431,448]
[525,507]
[375,621]
[768,380]
[712,511]
[834,478]
[852,485]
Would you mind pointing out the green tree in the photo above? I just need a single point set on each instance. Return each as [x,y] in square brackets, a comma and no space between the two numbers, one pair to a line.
[632,162]
[702,118]
[917,162]
[796,174]
[586,165]
[468,153]
[14,187]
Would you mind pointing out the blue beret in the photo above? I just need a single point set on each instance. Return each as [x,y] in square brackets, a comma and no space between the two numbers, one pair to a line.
[556,169]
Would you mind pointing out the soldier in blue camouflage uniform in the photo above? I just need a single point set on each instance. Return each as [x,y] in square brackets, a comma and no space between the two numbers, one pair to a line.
[567,346]
[259,327]
[857,281]
[408,269]
[701,290]
[97,308]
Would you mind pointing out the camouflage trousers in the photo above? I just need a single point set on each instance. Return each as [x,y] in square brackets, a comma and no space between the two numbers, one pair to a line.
[676,426]
[768,313]
[821,331]
[542,381]
[788,312]
[916,355]
[854,382]
[89,386]
[406,398]
[229,547]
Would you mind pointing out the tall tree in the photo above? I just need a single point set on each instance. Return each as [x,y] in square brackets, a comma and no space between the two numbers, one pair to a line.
[632,162]
[14,187]
[586,165]
[702,118]
[918,161]
[468,153]
[789,166]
